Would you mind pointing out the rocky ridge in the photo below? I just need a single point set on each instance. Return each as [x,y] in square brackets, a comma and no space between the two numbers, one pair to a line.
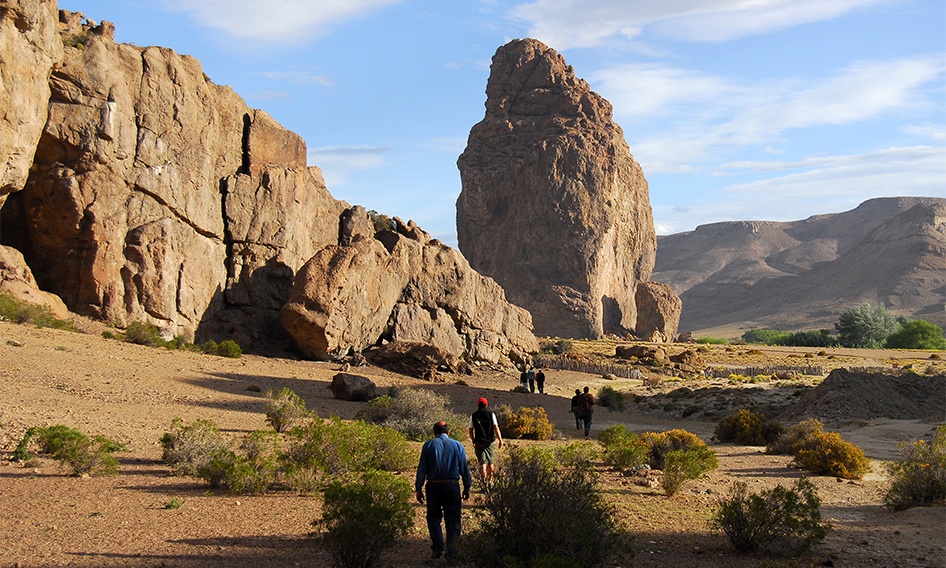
[553,205]
[155,195]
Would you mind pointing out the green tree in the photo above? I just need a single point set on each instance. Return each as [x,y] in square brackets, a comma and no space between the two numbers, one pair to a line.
[866,326]
[917,334]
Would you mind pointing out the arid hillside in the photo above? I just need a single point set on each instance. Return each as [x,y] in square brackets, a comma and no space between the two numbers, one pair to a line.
[801,274]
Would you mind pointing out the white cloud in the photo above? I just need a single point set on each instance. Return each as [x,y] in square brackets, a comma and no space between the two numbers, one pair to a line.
[338,163]
[300,78]
[935,132]
[275,21]
[703,116]
[564,24]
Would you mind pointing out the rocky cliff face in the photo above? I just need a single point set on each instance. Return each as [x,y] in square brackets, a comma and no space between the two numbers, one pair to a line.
[802,274]
[553,205]
[154,194]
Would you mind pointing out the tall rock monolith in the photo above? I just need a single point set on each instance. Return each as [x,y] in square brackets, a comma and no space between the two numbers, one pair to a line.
[553,205]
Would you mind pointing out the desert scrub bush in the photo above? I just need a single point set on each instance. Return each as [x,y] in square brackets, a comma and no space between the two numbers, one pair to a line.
[776,517]
[919,476]
[320,450]
[84,455]
[581,454]
[381,222]
[660,444]
[228,348]
[526,424]
[25,312]
[712,341]
[143,333]
[623,449]
[256,467]
[822,453]
[748,428]
[538,509]
[198,450]
[283,409]
[681,466]
[813,338]
[917,334]
[764,336]
[413,413]
[611,399]
[363,517]
[557,346]
[78,40]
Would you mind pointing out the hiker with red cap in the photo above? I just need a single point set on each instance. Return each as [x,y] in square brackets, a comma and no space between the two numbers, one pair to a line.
[442,465]
[484,433]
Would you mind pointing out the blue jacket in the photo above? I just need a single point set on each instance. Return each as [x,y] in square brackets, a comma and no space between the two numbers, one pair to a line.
[442,459]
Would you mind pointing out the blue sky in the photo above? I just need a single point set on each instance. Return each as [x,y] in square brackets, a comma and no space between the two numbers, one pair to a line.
[766,109]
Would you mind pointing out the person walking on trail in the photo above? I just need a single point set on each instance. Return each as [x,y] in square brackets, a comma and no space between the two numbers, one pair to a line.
[524,379]
[485,435]
[531,376]
[575,410]
[586,405]
[540,381]
[443,465]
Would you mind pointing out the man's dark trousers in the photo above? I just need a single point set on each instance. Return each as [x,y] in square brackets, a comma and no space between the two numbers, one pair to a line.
[443,502]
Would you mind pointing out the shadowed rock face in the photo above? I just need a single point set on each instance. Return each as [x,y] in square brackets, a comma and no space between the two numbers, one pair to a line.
[553,205]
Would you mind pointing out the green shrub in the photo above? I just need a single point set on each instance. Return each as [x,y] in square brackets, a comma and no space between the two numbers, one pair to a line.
[526,424]
[198,450]
[919,476]
[229,348]
[78,40]
[364,517]
[831,455]
[142,333]
[26,312]
[776,517]
[662,443]
[381,222]
[712,341]
[582,454]
[681,466]
[283,409]
[819,338]
[917,334]
[764,336]
[866,326]
[539,510]
[256,468]
[413,413]
[623,449]
[748,428]
[84,455]
[210,347]
[557,346]
[611,399]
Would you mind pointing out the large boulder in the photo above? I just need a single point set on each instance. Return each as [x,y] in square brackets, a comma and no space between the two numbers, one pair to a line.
[157,195]
[401,286]
[553,205]
[30,47]
[16,279]
[346,386]
[658,311]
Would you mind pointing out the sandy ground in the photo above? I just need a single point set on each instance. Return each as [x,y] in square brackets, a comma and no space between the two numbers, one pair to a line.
[131,393]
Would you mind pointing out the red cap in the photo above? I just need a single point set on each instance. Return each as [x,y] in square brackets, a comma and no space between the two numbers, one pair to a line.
[483,402]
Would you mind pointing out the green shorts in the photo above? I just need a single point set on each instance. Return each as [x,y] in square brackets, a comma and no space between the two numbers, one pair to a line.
[485,453]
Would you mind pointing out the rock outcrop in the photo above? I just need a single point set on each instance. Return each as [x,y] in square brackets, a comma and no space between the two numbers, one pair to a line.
[402,286]
[658,311]
[553,205]
[30,47]
[156,195]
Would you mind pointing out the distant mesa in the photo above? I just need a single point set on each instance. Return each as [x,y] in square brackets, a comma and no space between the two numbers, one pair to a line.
[553,205]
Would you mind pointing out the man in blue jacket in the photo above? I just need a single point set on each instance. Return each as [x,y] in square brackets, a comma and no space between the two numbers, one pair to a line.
[442,465]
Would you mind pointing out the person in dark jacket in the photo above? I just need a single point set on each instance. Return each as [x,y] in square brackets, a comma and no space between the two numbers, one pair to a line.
[484,433]
[443,465]
[586,406]
[575,409]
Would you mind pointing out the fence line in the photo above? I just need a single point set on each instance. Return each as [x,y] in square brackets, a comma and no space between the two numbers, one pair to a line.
[722,373]
[566,364]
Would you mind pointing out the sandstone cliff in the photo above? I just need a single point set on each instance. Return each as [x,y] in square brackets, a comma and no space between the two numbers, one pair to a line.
[553,205]
[154,194]
[802,274]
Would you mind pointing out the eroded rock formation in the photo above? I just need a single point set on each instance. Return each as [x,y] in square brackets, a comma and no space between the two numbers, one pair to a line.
[553,205]
[405,287]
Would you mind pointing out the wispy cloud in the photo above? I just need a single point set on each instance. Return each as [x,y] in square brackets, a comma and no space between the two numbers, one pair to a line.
[275,21]
[300,78]
[565,24]
[338,163]
[705,117]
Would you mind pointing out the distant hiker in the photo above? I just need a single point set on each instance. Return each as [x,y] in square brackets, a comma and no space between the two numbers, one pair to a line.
[524,379]
[484,433]
[540,380]
[531,377]
[575,410]
[443,464]
[586,407]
